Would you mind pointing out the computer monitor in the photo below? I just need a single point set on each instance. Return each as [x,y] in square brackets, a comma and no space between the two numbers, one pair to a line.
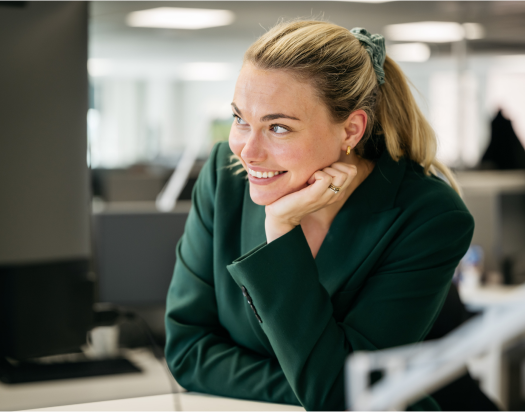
[135,256]
[46,291]
[45,308]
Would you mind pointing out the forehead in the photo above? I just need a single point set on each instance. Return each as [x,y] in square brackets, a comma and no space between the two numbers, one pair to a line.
[261,92]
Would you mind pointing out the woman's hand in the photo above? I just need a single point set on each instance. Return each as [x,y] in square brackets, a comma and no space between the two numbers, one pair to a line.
[286,213]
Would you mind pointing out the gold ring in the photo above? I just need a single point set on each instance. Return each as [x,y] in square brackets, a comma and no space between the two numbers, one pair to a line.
[333,188]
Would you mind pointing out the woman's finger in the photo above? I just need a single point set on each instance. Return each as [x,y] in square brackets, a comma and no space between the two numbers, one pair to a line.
[351,170]
[338,177]
[309,199]
[321,179]
[316,191]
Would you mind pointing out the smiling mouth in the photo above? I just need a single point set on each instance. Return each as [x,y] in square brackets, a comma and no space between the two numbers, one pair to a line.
[264,175]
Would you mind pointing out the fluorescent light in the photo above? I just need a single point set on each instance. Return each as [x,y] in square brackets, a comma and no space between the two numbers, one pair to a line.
[511,59]
[409,52]
[161,69]
[474,31]
[425,31]
[206,71]
[367,1]
[180,18]
[99,67]
[434,31]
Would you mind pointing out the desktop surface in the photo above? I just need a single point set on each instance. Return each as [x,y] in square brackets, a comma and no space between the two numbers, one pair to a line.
[154,380]
[150,390]
[186,401]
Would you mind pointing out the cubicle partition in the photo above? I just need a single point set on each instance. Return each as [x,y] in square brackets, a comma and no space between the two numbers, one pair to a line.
[134,260]
[496,200]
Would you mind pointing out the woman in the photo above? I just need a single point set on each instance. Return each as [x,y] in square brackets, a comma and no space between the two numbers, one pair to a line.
[335,236]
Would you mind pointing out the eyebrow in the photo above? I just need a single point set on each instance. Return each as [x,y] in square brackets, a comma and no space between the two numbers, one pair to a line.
[268,117]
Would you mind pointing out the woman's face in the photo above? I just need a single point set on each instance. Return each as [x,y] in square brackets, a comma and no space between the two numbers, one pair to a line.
[281,130]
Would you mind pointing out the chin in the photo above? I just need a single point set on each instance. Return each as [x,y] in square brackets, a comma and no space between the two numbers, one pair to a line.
[259,197]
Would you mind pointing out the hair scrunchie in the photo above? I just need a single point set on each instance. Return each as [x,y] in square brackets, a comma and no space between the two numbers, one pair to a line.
[374,44]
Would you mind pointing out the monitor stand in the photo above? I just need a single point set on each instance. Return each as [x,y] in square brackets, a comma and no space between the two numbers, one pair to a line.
[25,372]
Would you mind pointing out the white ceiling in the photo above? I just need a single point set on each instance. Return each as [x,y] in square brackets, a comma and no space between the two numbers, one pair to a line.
[111,38]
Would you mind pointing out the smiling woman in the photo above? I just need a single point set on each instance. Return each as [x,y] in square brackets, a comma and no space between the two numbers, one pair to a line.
[339,237]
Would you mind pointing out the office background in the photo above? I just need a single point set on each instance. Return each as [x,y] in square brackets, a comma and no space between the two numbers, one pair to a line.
[99,109]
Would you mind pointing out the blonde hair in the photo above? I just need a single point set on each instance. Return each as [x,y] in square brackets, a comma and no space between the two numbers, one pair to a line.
[334,61]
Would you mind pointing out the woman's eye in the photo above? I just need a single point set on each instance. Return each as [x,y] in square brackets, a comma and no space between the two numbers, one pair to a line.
[278,129]
[238,120]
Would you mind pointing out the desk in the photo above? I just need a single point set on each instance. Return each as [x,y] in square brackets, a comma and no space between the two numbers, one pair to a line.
[483,297]
[153,380]
[146,391]
[187,401]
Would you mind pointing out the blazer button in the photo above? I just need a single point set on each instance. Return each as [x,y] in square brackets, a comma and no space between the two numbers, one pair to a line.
[257,315]
[250,302]
[247,295]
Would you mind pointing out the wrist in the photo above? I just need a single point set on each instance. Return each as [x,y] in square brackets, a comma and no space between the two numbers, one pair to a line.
[276,228]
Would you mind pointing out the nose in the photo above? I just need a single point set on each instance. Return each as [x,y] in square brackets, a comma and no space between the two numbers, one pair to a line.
[253,151]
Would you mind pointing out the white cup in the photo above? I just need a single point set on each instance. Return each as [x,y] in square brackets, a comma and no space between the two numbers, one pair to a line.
[103,342]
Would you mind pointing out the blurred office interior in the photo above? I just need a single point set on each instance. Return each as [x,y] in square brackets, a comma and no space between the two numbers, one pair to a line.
[110,110]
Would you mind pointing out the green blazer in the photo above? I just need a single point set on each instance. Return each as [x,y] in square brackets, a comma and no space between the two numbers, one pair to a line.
[379,280]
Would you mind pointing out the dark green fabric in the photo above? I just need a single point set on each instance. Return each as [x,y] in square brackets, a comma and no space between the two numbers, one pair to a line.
[379,280]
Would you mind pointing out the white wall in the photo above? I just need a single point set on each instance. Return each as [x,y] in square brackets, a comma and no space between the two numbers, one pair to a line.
[150,114]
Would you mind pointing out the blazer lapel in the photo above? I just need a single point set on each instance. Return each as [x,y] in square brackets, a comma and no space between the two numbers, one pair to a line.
[252,225]
[360,230]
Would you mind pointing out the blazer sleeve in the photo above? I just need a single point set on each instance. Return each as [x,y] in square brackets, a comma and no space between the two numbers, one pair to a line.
[199,352]
[396,305]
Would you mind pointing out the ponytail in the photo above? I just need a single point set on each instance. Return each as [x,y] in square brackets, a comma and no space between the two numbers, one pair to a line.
[406,131]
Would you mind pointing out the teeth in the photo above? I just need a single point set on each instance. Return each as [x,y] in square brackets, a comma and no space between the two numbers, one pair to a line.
[263,175]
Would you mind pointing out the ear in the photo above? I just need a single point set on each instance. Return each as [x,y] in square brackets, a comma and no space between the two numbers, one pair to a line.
[355,126]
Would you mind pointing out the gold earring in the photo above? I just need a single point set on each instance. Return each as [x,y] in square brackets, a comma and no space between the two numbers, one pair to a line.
[348,150]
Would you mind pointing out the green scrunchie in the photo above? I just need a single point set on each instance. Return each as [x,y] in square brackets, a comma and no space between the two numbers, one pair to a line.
[374,44]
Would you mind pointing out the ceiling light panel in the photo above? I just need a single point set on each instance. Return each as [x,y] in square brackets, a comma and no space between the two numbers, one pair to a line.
[367,1]
[474,31]
[409,52]
[426,31]
[180,18]
[206,71]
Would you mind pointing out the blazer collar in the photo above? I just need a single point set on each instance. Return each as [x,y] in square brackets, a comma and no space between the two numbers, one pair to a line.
[381,186]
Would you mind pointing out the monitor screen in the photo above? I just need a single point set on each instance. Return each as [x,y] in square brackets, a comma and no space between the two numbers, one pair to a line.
[135,255]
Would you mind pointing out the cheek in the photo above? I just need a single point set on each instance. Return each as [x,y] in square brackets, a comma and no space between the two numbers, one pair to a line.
[323,152]
[294,158]
[312,151]
[306,159]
